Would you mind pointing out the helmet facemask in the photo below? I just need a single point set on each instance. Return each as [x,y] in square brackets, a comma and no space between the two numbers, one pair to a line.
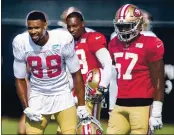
[127,31]
[93,95]
[128,22]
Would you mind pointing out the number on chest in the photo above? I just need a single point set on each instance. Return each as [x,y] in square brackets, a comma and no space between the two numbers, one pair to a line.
[52,62]
[128,73]
[82,59]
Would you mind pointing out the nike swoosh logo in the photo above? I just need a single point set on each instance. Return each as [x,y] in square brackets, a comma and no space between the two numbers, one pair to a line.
[158,46]
[97,37]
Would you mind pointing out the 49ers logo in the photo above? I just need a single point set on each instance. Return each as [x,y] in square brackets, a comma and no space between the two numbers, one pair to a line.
[137,12]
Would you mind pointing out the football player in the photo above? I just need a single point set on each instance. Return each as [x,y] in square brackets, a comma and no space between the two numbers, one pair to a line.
[48,53]
[146,31]
[63,24]
[92,53]
[140,67]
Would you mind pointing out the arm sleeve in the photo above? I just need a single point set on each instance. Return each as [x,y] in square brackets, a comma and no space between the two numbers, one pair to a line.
[113,89]
[104,58]
[96,41]
[155,50]
[19,64]
[70,57]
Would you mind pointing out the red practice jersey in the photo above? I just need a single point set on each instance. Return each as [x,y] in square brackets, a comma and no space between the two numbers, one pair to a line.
[86,48]
[134,79]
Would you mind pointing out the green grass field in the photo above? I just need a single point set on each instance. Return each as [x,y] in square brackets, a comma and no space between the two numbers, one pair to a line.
[9,126]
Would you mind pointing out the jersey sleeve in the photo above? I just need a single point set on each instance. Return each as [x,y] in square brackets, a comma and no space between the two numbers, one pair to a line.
[96,41]
[155,50]
[19,64]
[70,57]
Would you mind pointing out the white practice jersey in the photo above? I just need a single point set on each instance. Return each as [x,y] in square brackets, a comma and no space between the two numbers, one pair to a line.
[47,63]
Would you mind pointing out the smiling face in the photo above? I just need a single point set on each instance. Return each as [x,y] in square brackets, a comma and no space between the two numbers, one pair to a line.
[36,29]
[76,27]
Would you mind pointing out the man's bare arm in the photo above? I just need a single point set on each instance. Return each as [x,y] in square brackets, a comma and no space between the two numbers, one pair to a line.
[157,75]
[79,87]
[21,85]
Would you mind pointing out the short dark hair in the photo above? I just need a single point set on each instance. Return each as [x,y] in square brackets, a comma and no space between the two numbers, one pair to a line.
[36,15]
[75,14]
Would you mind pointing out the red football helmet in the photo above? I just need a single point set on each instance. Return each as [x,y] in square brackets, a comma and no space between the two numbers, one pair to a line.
[128,22]
[90,126]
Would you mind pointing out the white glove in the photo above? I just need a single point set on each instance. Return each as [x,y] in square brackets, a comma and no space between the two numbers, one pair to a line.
[33,116]
[82,112]
[155,120]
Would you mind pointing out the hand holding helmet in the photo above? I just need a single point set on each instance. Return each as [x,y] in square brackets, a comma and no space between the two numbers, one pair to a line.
[82,112]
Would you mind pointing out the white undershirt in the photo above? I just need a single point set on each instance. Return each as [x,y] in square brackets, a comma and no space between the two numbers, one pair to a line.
[104,58]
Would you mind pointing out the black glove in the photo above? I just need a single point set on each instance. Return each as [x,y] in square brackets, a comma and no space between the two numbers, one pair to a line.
[103,90]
